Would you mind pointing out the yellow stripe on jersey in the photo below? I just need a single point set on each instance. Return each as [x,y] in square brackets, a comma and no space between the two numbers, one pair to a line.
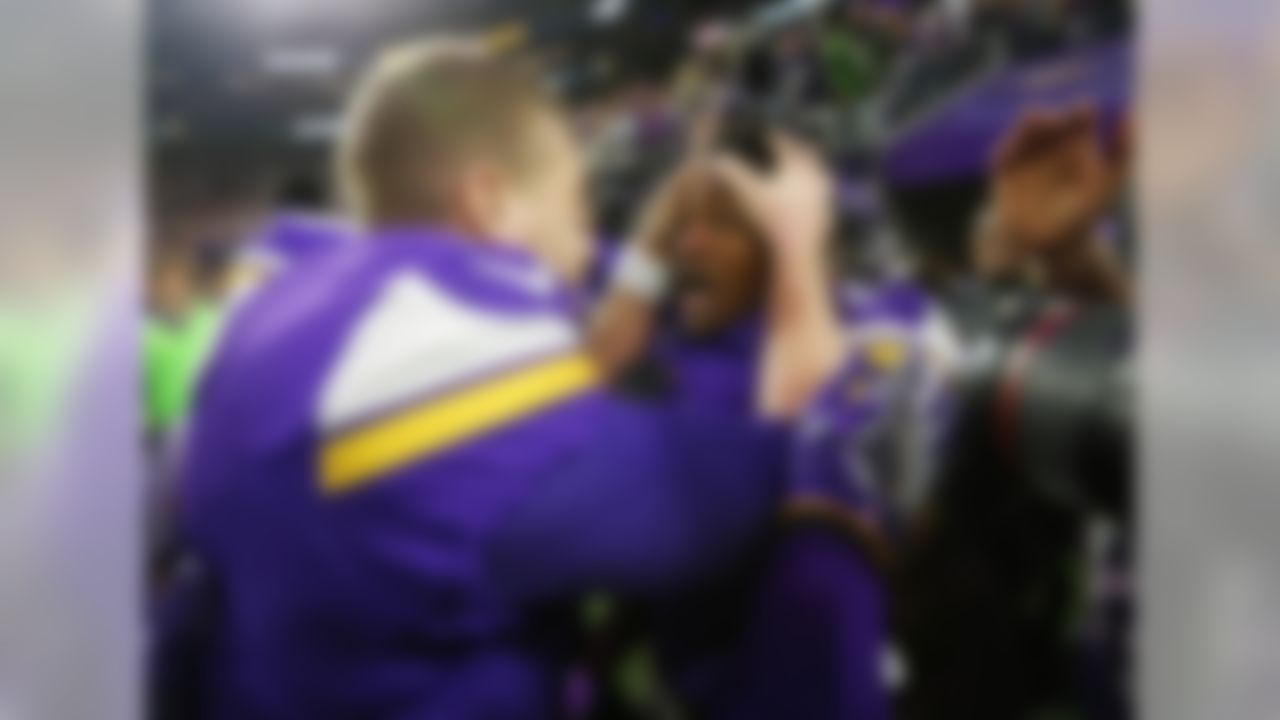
[357,457]
[886,354]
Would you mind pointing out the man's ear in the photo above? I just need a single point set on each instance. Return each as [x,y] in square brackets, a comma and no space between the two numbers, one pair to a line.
[483,202]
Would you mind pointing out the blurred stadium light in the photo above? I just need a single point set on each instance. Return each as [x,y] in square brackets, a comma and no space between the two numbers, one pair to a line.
[283,13]
[316,128]
[788,11]
[607,12]
[303,61]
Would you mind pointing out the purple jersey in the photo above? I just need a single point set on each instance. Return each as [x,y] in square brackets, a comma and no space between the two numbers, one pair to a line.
[287,239]
[878,425]
[811,633]
[401,463]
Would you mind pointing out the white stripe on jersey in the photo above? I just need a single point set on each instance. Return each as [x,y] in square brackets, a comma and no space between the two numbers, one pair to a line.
[416,339]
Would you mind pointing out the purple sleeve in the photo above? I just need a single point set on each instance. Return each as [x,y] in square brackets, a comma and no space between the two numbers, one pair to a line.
[662,498]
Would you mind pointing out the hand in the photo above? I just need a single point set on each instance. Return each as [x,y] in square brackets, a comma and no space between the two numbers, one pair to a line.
[793,206]
[1051,182]
[655,225]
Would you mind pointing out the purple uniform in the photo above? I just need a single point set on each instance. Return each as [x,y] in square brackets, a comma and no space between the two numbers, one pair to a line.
[285,240]
[810,638]
[401,462]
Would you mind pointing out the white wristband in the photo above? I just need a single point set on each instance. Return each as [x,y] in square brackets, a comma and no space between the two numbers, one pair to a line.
[640,273]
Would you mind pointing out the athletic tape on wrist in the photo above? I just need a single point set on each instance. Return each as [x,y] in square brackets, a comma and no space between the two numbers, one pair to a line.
[642,274]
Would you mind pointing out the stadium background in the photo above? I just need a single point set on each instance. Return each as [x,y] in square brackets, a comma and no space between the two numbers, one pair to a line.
[907,96]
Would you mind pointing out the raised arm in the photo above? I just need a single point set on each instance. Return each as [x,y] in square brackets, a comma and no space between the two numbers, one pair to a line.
[1052,181]
[622,322]
[794,207]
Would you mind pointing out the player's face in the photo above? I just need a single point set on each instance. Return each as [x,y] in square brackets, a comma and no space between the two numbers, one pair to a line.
[720,264]
[559,226]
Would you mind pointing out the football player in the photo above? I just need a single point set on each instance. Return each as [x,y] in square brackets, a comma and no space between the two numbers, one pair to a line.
[802,631]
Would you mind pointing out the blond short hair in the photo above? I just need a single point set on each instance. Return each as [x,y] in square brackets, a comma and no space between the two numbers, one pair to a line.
[421,110]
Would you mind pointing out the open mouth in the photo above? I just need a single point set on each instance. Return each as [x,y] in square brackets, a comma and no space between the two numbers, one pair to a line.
[698,299]
[691,281]
[694,289]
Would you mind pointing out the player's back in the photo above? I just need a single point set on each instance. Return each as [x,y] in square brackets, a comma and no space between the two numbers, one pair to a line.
[365,424]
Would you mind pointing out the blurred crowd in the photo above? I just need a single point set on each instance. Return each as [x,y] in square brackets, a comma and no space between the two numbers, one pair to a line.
[855,76]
